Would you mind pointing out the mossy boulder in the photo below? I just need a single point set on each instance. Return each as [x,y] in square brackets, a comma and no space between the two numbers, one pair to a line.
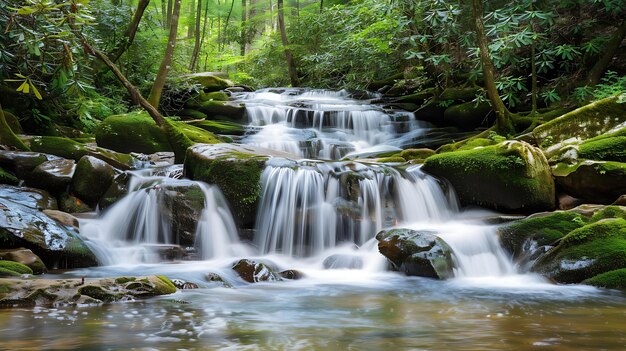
[220,127]
[137,132]
[220,110]
[611,280]
[13,122]
[23,224]
[606,147]
[416,253]
[117,190]
[469,115]
[70,149]
[255,272]
[210,81]
[94,291]
[8,178]
[512,176]
[600,117]
[11,269]
[391,159]
[586,252]
[416,154]
[25,257]
[92,179]
[54,176]
[236,170]
[594,181]
[213,96]
[190,114]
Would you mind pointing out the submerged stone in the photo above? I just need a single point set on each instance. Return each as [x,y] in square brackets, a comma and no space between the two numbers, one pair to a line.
[254,272]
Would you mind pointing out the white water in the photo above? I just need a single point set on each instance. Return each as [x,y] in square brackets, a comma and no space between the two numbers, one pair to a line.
[323,124]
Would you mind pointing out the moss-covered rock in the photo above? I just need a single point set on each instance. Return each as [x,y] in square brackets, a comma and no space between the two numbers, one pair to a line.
[13,122]
[70,149]
[8,178]
[469,115]
[589,121]
[220,127]
[71,204]
[510,176]
[220,110]
[586,252]
[416,154]
[416,253]
[594,181]
[22,224]
[137,132]
[210,81]
[236,170]
[25,257]
[55,292]
[190,114]
[392,159]
[15,267]
[54,176]
[92,179]
[611,280]
[213,96]
[611,147]
[117,190]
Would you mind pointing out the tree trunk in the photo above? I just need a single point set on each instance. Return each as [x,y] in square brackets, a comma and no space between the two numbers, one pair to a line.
[321,5]
[192,19]
[503,118]
[230,12]
[243,27]
[131,31]
[164,69]
[597,71]
[163,14]
[196,47]
[293,73]
[7,137]
[169,13]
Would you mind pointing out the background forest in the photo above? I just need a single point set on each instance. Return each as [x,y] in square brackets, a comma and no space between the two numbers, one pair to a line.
[543,53]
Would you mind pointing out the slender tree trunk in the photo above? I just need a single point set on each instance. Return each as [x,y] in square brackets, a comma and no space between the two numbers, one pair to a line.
[164,69]
[597,71]
[219,26]
[206,16]
[252,24]
[293,73]
[169,13]
[196,47]
[192,19]
[534,91]
[243,27]
[8,137]
[230,12]
[163,14]
[503,120]
[131,31]
[321,5]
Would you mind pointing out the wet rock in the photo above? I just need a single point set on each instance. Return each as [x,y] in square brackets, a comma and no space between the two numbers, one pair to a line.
[71,204]
[167,252]
[60,292]
[29,197]
[254,272]
[54,176]
[511,176]
[216,278]
[92,179]
[592,181]
[23,224]
[117,190]
[184,204]
[291,274]
[416,253]
[22,163]
[621,201]
[63,218]
[25,257]
[339,261]
[184,285]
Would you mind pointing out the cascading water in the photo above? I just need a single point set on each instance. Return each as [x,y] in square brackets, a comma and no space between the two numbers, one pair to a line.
[140,225]
[322,124]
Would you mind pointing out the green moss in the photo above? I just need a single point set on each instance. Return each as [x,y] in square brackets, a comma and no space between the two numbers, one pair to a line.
[392,159]
[215,96]
[606,228]
[191,114]
[5,288]
[605,149]
[15,267]
[124,280]
[132,132]
[416,154]
[209,82]
[615,279]
[196,134]
[8,273]
[13,122]
[609,212]
[8,178]
[220,127]
[97,293]
[166,288]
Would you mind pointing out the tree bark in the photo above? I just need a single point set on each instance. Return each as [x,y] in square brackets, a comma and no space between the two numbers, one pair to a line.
[169,12]
[163,14]
[293,73]
[230,12]
[243,27]
[164,69]
[191,23]
[7,137]
[503,118]
[597,71]
[321,5]
[131,31]
[196,47]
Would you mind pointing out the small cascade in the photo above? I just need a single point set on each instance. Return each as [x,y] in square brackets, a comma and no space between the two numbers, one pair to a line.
[309,206]
[140,227]
[322,124]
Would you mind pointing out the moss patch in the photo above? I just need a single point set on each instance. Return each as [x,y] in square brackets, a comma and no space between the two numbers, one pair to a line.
[220,127]
[167,287]
[611,280]
[15,267]
[605,149]
[8,178]
[392,159]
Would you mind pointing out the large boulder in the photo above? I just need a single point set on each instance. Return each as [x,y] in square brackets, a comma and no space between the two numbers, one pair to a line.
[184,204]
[589,121]
[512,176]
[22,163]
[416,253]
[223,110]
[235,169]
[54,176]
[137,132]
[593,181]
[210,81]
[23,224]
[54,292]
[91,179]
[70,149]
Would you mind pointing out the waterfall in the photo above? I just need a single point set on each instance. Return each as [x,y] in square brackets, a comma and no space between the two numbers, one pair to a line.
[308,206]
[139,227]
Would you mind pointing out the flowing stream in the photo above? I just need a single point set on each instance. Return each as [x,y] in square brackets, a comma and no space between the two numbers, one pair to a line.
[319,214]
